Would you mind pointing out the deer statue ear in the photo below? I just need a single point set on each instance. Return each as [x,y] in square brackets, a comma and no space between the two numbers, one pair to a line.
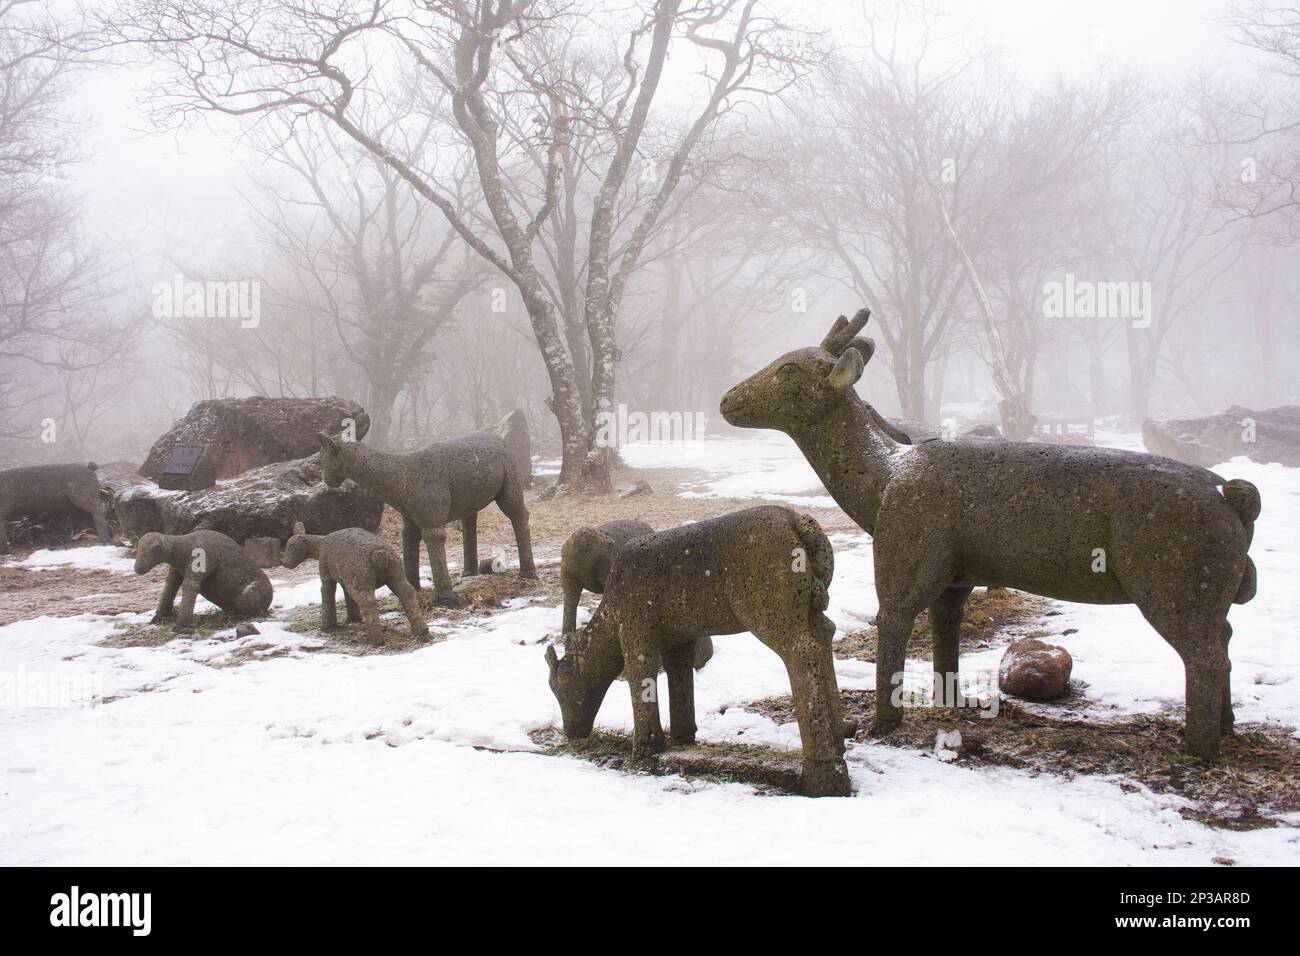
[866,346]
[326,442]
[848,369]
[299,528]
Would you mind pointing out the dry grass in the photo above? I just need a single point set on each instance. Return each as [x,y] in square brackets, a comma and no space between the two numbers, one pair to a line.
[768,771]
[990,616]
[1257,778]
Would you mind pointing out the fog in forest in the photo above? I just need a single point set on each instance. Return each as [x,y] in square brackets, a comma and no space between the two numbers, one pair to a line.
[449,210]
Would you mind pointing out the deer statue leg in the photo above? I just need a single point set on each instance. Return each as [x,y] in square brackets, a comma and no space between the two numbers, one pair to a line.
[411,551]
[811,668]
[1227,719]
[1198,631]
[435,539]
[329,615]
[1206,665]
[90,503]
[370,616]
[95,508]
[893,628]
[945,630]
[679,668]
[354,612]
[166,608]
[641,662]
[469,542]
[511,502]
[398,584]
[189,595]
[914,566]
[1197,636]
[572,588]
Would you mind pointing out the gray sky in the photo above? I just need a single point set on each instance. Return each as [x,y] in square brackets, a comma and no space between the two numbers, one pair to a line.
[178,193]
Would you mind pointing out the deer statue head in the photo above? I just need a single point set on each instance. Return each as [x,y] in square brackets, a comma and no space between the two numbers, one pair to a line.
[800,387]
[579,699]
[332,459]
[299,547]
[336,451]
[151,551]
[580,680]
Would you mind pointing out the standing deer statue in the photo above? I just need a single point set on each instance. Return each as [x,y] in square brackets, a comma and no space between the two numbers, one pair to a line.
[447,481]
[1094,525]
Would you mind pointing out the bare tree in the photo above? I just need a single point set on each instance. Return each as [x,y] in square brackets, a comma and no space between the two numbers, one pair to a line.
[854,185]
[56,329]
[385,276]
[315,62]
[1166,227]
[1031,180]
[1263,119]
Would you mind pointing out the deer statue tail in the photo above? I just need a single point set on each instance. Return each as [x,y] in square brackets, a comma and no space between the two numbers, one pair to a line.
[821,564]
[1243,498]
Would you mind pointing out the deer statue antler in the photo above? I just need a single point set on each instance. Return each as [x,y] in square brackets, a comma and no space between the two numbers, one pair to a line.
[844,333]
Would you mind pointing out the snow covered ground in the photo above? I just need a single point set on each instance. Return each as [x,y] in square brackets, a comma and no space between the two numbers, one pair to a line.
[309,757]
[104,557]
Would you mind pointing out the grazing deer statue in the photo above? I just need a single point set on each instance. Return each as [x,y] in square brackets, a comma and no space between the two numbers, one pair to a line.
[585,561]
[1093,525]
[447,481]
[763,570]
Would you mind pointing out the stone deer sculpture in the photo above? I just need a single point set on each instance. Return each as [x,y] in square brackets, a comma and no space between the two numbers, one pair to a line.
[362,562]
[1093,525]
[764,570]
[207,563]
[585,561]
[40,488]
[447,481]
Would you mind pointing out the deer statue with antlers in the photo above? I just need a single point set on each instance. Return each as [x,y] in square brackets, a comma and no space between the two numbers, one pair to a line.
[1094,525]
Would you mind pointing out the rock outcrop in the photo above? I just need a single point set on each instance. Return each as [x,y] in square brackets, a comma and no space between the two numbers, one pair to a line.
[1268,436]
[239,434]
[263,503]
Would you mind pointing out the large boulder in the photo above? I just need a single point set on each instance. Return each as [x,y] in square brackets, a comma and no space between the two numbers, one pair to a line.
[235,435]
[1035,670]
[1268,436]
[262,503]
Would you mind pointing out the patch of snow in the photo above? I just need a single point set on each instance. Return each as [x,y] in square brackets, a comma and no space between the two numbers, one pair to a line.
[768,466]
[99,557]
